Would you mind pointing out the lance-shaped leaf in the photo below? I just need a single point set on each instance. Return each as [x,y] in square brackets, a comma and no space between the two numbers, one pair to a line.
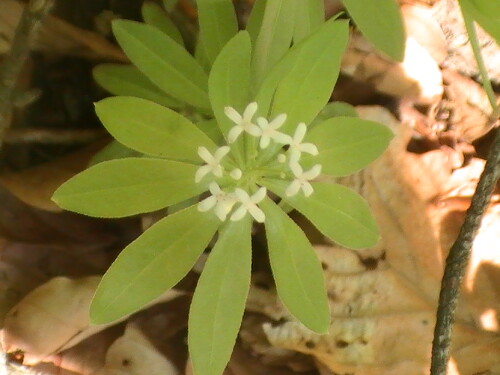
[218,24]
[381,23]
[309,16]
[338,212]
[255,19]
[486,13]
[151,128]
[308,85]
[296,269]
[212,130]
[130,186]
[154,15]
[219,299]
[153,263]
[229,79]
[127,80]
[347,144]
[168,65]
[113,150]
[274,37]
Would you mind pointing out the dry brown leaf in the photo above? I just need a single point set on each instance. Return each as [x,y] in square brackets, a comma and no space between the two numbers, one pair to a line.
[383,299]
[133,354]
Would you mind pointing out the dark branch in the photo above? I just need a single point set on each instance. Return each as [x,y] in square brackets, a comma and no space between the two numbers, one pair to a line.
[14,61]
[458,258]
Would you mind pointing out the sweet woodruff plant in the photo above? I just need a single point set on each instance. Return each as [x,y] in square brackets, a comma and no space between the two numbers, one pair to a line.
[235,135]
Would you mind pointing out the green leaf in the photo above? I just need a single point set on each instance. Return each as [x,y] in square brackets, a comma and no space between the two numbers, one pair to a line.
[219,299]
[334,109]
[170,5]
[309,16]
[255,19]
[155,16]
[347,144]
[152,264]
[113,150]
[130,186]
[483,12]
[381,23]
[163,61]
[296,269]
[229,79]
[212,130]
[338,212]
[308,85]
[218,24]
[152,129]
[127,80]
[275,36]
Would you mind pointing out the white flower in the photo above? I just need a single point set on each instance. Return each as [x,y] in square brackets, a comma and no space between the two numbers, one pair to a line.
[297,147]
[219,199]
[243,123]
[302,179]
[213,162]
[236,174]
[281,158]
[249,204]
[269,131]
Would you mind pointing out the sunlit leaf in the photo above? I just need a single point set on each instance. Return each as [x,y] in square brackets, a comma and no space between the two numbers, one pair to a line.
[381,23]
[168,65]
[338,212]
[219,300]
[296,269]
[308,85]
[152,264]
[113,150]
[151,129]
[155,16]
[130,186]
[255,19]
[229,79]
[274,38]
[334,109]
[309,16]
[127,80]
[218,24]
[347,144]
[212,130]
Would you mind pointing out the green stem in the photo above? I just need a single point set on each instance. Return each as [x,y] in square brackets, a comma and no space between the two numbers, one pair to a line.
[471,30]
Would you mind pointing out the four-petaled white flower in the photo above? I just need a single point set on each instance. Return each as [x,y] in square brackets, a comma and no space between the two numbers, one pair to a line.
[222,201]
[297,147]
[213,162]
[243,123]
[249,204]
[269,131]
[302,179]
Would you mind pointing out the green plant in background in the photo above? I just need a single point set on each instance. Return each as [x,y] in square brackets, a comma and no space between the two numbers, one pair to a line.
[239,132]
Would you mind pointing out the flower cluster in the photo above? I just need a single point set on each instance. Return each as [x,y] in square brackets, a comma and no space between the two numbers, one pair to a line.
[221,200]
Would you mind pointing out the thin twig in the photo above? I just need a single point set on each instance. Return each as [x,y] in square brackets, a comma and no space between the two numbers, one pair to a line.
[51,136]
[14,61]
[458,258]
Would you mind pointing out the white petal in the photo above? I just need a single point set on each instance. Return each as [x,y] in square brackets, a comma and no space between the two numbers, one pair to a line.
[207,204]
[250,111]
[300,132]
[262,122]
[307,188]
[218,171]
[234,133]
[281,138]
[281,158]
[257,213]
[312,173]
[294,154]
[205,154]
[309,148]
[259,195]
[296,169]
[214,188]
[253,130]
[241,195]
[221,210]
[293,188]
[278,121]
[201,172]
[221,152]
[236,174]
[239,213]
[232,114]
[264,141]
